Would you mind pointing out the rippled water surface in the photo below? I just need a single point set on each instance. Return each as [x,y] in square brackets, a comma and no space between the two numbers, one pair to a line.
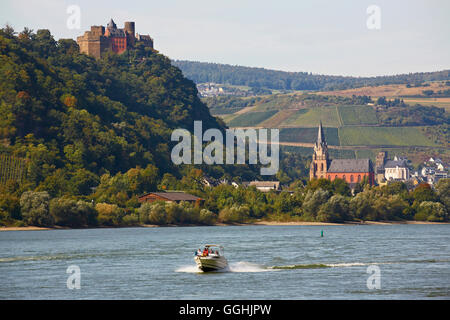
[266,262]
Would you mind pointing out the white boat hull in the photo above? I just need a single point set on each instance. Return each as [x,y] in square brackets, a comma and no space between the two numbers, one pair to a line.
[211,263]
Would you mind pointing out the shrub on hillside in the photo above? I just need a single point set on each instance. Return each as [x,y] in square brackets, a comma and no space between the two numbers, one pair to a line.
[234,214]
[71,213]
[9,207]
[207,217]
[152,213]
[431,211]
[109,214]
[34,207]
[131,219]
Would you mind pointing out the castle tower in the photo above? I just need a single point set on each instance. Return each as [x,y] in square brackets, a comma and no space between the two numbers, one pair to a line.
[319,163]
[380,160]
[129,29]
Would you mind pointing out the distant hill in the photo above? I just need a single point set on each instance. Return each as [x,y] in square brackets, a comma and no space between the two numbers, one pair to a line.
[201,72]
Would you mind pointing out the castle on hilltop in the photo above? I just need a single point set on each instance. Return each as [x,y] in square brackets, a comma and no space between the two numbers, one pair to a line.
[350,170]
[99,40]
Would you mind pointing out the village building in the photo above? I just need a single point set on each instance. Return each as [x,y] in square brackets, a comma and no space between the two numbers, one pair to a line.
[175,196]
[264,186]
[434,170]
[352,171]
[396,169]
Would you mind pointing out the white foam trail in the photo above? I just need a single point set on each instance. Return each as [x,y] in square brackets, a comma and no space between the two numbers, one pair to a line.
[189,269]
[351,264]
[241,266]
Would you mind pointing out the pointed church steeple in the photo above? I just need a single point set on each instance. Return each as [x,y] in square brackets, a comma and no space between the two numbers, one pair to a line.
[319,164]
[321,136]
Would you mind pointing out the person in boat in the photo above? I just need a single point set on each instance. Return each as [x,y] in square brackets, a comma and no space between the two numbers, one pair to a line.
[205,252]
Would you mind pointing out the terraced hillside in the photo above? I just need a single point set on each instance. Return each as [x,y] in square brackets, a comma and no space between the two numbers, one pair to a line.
[357,115]
[384,136]
[311,117]
[251,119]
[308,135]
[351,124]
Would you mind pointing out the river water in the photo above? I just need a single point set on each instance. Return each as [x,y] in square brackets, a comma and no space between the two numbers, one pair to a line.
[266,262]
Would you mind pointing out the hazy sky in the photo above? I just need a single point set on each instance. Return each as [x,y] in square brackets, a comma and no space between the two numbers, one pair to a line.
[325,37]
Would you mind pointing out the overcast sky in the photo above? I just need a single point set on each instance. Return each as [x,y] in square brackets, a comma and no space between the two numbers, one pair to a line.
[318,36]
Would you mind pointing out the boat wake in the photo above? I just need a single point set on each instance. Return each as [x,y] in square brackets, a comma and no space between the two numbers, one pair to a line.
[241,266]
[244,266]
[327,265]
[355,264]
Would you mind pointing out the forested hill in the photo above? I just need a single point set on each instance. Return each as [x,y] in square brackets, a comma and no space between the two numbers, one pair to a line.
[71,115]
[201,72]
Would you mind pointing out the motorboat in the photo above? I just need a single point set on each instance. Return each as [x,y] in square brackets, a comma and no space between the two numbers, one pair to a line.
[211,258]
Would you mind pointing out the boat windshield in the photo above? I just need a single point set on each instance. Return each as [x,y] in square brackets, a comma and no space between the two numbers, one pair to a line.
[210,250]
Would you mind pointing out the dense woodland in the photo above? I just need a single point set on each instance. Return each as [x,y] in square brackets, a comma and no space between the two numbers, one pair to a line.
[201,72]
[81,139]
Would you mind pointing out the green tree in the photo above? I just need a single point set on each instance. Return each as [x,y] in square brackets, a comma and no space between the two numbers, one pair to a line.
[313,201]
[443,192]
[35,208]
[431,211]
[234,214]
[362,205]
[9,207]
[72,213]
[109,214]
[334,210]
[153,213]
[424,192]
[341,187]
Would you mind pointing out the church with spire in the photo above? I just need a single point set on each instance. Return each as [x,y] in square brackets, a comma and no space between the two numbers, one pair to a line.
[352,171]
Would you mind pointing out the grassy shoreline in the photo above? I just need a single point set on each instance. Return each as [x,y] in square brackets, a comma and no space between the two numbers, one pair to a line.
[256,223]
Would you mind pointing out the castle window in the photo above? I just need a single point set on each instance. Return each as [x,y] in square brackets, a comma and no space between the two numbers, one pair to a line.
[359,178]
[335,177]
[343,177]
[329,177]
[321,167]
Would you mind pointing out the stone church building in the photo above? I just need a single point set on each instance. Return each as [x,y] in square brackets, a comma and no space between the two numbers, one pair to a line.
[350,170]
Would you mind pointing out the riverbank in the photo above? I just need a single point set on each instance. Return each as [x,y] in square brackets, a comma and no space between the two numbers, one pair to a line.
[30,228]
[256,223]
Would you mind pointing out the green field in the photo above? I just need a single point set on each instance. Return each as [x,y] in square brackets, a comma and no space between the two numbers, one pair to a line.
[219,111]
[334,153]
[251,119]
[311,117]
[308,135]
[279,102]
[366,153]
[384,136]
[357,115]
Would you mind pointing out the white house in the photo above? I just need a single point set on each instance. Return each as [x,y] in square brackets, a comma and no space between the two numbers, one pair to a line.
[396,169]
